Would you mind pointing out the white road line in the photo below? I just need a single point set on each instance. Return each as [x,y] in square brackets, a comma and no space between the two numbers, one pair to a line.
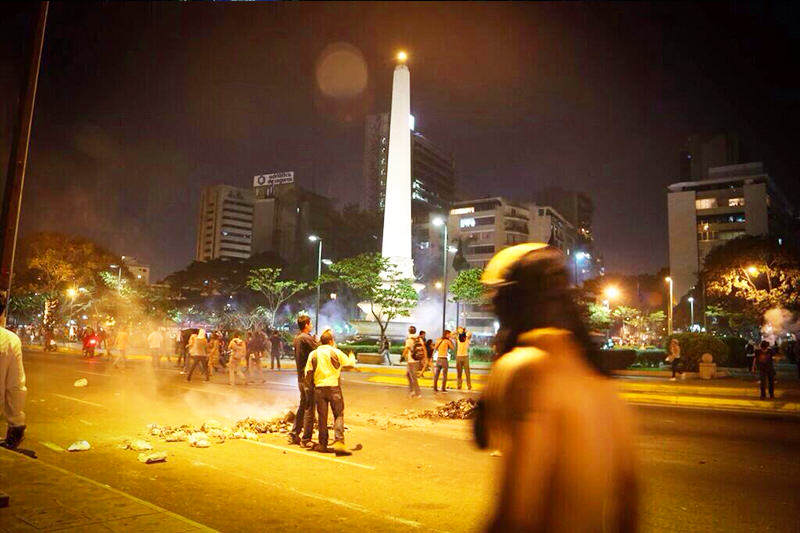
[85,422]
[52,445]
[334,501]
[78,400]
[313,455]
[95,373]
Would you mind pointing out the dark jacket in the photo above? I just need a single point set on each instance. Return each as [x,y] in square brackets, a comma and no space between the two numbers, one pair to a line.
[304,344]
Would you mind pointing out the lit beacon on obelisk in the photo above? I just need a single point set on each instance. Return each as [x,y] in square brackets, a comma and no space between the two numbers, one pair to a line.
[397,204]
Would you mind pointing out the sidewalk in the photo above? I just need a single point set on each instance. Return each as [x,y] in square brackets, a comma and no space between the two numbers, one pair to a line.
[44,497]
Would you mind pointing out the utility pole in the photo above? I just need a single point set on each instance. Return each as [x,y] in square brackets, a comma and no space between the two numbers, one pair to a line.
[18,159]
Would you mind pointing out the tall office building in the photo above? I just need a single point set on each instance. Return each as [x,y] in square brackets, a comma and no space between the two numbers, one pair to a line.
[224,223]
[734,200]
[702,152]
[433,173]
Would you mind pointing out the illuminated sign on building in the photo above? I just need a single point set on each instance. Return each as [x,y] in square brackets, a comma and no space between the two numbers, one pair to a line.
[467,222]
[462,210]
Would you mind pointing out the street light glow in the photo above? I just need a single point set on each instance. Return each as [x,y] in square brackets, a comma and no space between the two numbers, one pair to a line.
[438,221]
[438,284]
[327,262]
[402,56]
[72,292]
[752,270]
[691,299]
[313,238]
[668,279]
[452,249]
[611,292]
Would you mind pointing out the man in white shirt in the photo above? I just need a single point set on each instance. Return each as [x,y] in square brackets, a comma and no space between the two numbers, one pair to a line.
[154,342]
[463,338]
[12,387]
[324,366]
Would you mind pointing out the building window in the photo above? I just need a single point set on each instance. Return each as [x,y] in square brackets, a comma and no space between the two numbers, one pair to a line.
[735,202]
[705,203]
[485,249]
[466,222]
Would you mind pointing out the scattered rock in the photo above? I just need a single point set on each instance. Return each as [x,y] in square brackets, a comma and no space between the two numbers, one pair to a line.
[79,446]
[139,445]
[153,457]
[457,410]
[199,440]
[80,382]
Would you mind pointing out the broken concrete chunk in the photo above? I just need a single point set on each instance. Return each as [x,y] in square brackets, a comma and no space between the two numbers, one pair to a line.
[139,445]
[79,446]
[199,440]
[80,382]
[153,457]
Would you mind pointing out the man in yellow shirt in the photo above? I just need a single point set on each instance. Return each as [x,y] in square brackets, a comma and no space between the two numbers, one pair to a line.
[324,367]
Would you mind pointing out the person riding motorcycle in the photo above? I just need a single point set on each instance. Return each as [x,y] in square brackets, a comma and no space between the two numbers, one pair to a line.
[90,342]
[565,437]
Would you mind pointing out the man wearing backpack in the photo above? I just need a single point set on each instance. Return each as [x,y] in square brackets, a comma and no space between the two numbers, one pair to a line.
[414,352]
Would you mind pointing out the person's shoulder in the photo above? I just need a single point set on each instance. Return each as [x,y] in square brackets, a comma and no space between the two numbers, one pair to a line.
[10,337]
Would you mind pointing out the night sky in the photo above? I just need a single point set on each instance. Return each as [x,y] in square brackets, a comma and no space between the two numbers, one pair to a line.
[140,105]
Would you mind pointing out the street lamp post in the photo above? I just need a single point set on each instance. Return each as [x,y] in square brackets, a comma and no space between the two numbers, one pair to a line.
[315,238]
[438,221]
[669,311]
[691,312]
[119,276]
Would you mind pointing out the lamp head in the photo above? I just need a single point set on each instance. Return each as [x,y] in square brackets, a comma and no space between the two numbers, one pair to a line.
[438,221]
[402,56]
[313,238]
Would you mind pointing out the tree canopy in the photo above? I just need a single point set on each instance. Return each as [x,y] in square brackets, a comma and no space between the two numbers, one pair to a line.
[376,280]
[751,274]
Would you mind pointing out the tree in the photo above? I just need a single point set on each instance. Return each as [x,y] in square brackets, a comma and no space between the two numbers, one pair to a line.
[467,287]
[376,280]
[274,290]
[751,275]
[597,317]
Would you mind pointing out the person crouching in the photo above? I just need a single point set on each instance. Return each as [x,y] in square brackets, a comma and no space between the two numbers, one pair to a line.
[323,368]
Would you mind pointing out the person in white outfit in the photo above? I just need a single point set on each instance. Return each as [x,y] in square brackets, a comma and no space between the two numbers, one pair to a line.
[12,387]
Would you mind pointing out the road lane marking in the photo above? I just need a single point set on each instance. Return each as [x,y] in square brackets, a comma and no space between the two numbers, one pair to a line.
[85,422]
[95,373]
[52,445]
[305,453]
[334,501]
[78,400]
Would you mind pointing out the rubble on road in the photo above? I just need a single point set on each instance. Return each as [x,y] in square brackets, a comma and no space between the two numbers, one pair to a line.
[139,445]
[456,410]
[79,446]
[214,431]
[153,457]
[80,382]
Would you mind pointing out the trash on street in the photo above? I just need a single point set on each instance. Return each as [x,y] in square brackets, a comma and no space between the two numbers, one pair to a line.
[79,446]
[80,382]
[153,457]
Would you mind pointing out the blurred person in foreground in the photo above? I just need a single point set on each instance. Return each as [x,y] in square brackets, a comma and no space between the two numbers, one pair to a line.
[565,437]
[323,369]
[12,387]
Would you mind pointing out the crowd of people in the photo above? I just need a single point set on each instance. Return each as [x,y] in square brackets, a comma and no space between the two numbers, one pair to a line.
[422,354]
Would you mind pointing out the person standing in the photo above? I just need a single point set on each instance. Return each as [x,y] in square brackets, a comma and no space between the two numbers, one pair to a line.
[443,347]
[121,345]
[154,342]
[258,345]
[674,358]
[238,351]
[198,352]
[214,350]
[422,364]
[566,438]
[385,350]
[323,369]
[463,339]
[413,351]
[12,387]
[304,344]
[276,350]
[764,361]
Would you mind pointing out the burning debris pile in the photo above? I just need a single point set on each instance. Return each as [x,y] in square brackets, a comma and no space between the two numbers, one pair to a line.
[212,431]
[456,410]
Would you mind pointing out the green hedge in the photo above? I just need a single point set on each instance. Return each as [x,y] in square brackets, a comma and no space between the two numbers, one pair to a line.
[649,358]
[694,345]
[609,360]
[736,354]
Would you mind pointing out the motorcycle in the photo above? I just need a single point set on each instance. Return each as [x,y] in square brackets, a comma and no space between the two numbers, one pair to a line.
[89,344]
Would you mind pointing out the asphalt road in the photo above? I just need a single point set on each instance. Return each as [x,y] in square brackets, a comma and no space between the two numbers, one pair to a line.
[700,470]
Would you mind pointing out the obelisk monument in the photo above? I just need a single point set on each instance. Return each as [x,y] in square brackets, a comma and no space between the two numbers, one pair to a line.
[396,244]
